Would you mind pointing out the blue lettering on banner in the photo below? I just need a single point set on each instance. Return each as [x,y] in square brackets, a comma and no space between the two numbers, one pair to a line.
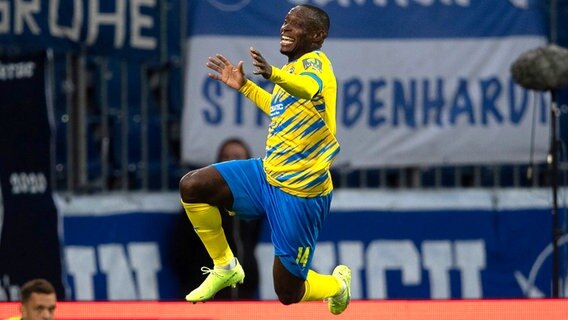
[215,113]
[432,104]
[239,110]
[212,89]
[353,106]
[375,105]
[518,108]
[400,103]
[409,103]
[490,89]
[461,104]
[396,103]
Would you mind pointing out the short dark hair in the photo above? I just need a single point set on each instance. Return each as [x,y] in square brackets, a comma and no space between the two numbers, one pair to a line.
[319,18]
[231,141]
[35,286]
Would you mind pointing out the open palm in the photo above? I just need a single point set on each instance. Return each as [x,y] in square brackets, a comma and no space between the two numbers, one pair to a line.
[227,72]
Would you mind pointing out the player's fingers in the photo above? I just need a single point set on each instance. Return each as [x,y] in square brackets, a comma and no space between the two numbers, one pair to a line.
[223,59]
[213,66]
[255,55]
[258,56]
[259,62]
[240,66]
[216,62]
[254,51]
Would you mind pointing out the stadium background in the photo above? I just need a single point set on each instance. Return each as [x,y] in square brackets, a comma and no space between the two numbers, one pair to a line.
[95,138]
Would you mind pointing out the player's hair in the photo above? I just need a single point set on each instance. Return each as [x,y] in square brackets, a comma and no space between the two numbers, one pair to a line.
[318,18]
[35,286]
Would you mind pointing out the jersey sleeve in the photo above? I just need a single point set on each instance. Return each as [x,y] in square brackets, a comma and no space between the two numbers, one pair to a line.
[306,83]
[256,94]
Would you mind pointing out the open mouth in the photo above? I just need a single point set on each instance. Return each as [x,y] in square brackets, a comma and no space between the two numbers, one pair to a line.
[285,40]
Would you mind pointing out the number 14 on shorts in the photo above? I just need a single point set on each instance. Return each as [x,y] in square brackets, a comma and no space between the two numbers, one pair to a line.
[303,255]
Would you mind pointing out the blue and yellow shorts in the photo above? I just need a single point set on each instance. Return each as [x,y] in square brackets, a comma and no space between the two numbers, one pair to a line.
[295,222]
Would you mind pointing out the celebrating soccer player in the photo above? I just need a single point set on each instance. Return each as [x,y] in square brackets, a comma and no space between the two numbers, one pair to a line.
[292,184]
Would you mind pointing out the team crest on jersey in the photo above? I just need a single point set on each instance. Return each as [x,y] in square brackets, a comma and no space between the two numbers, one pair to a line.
[313,63]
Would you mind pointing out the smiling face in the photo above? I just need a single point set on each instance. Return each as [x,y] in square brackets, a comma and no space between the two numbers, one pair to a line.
[299,34]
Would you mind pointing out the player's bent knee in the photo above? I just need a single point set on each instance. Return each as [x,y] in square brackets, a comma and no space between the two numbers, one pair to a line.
[205,185]
[188,186]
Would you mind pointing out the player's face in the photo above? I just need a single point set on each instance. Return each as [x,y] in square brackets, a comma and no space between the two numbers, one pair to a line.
[39,307]
[295,34]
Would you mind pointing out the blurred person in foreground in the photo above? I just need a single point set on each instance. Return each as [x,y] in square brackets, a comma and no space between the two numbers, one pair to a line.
[38,301]
[291,186]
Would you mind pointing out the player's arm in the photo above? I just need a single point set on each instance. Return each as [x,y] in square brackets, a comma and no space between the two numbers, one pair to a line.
[234,77]
[256,94]
[305,85]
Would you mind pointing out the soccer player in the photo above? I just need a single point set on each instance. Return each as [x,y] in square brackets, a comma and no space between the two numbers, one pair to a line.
[291,186]
[38,301]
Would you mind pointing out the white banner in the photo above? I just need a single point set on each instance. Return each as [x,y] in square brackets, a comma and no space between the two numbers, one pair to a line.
[408,102]
[419,82]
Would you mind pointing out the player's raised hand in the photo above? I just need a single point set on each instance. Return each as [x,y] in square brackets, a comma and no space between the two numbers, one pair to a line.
[262,66]
[226,71]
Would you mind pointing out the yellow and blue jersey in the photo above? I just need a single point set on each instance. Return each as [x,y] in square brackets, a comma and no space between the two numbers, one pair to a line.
[301,143]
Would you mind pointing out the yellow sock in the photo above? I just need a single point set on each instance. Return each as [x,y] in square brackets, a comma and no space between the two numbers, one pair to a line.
[320,286]
[206,221]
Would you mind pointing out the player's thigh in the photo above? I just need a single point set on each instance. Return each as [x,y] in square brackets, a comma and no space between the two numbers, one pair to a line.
[247,182]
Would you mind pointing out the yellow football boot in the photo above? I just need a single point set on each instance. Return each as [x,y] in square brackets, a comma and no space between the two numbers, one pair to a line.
[338,303]
[217,279]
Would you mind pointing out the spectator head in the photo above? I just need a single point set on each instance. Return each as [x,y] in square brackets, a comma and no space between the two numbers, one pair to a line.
[38,300]
[233,149]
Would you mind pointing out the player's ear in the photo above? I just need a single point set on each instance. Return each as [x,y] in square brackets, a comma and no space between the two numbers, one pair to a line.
[319,37]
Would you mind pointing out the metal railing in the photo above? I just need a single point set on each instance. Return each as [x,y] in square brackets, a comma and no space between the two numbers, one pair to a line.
[493,176]
[116,119]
